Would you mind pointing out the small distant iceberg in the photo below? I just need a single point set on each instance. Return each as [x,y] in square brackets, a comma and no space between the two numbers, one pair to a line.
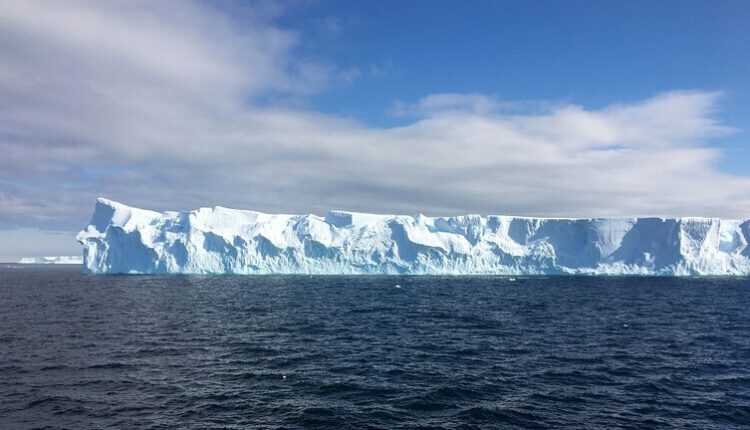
[64,259]
[122,239]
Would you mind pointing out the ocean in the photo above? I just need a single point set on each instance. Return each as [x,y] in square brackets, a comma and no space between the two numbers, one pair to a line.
[288,352]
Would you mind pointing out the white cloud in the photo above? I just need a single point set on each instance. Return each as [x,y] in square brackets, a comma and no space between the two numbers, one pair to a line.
[448,102]
[161,105]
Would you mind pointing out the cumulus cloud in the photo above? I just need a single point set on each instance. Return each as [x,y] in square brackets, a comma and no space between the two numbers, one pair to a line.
[176,105]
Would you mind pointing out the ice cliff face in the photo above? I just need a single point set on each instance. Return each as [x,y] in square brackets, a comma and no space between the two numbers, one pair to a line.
[121,239]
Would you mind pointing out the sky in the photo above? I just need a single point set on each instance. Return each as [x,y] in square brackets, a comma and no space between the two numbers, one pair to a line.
[544,108]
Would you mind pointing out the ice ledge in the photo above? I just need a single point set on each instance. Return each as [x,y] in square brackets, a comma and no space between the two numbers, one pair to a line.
[123,239]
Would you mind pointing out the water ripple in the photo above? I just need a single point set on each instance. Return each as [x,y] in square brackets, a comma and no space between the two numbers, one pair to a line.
[353,352]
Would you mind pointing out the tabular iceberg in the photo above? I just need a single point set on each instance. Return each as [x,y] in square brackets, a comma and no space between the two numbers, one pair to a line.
[122,239]
[62,259]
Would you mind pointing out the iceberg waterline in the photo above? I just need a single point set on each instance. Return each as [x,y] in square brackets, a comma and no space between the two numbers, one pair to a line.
[123,239]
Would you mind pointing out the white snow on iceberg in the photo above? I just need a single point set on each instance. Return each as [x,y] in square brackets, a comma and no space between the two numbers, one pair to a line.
[122,239]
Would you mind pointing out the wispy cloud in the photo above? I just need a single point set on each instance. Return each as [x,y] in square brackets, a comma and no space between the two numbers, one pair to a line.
[165,105]
[436,103]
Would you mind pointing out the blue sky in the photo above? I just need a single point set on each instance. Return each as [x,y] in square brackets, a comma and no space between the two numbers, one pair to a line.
[586,52]
[496,107]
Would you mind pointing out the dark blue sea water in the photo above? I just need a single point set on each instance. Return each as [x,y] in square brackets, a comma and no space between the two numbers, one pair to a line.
[356,352]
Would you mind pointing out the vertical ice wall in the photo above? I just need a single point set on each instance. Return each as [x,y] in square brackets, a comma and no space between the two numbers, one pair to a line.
[121,239]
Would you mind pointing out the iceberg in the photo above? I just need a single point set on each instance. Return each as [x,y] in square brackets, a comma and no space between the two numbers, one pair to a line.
[123,239]
[62,259]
